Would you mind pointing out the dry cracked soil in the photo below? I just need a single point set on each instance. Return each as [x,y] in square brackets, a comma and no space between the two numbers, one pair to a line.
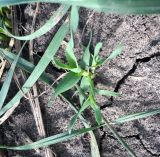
[135,74]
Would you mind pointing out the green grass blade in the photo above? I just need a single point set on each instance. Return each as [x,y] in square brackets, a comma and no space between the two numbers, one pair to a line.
[114,6]
[74,21]
[61,65]
[71,58]
[52,139]
[5,88]
[84,85]
[121,141]
[115,53]
[106,92]
[41,66]
[75,117]
[55,18]
[85,62]
[98,113]
[97,49]
[24,64]
[136,116]
[67,83]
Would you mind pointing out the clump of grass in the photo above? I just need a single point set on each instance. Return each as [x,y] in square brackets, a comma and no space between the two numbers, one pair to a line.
[5,14]
[80,75]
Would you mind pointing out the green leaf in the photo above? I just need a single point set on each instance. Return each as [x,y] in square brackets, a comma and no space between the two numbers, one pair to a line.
[115,53]
[41,66]
[97,49]
[108,6]
[67,83]
[7,23]
[70,54]
[75,117]
[84,85]
[5,87]
[136,116]
[74,18]
[94,147]
[98,113]
[24,64]
[106,92]
[4,37]
[61,65]
[120,140]
[85,62]
[55,18]
[52,139]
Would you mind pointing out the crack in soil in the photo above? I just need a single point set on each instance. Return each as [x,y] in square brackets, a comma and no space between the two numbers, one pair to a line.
[128,137]
[130,72]
[133,69]
[120,82]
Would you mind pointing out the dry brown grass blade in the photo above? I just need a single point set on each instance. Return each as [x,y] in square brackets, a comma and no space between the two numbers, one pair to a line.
[2,66]
[35,104]
[8,113]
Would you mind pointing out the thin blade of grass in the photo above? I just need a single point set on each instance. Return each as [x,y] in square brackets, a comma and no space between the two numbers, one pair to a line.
[52,139]
[120,140]
[7,81]
[74,18]
[113,55]
[71,58]
[41,66]
[75,117]
[136,116]
[85,62]
[114,6]
[24,64]
[55,18]
[97,49]
[106,92]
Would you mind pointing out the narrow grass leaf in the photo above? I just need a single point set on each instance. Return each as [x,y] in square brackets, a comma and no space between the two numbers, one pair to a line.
[86,104]
[55,18]
[61,65]
[97,49]
[7,81]
[98,113]
[67,83]
[106,92]
[136,116]
[115,53]
[85,62]
[23,64]
[94,147]
[123,6]
[52,139]
[84,85]
[70,54]
[41,66]
[120,140]
[74,19]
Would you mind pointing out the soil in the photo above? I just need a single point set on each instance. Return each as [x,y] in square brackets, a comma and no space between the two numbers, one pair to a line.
[135,74]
